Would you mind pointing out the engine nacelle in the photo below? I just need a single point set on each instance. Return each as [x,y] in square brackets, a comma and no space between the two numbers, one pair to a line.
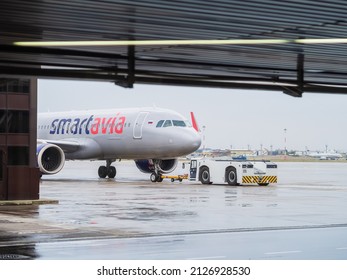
[50,158]
[163,165]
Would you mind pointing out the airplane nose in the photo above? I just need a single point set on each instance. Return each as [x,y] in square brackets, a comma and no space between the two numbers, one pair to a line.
[196,143]
[193,142]
[184,143]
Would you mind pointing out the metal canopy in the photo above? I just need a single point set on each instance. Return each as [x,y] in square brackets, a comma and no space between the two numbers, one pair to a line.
[290,67]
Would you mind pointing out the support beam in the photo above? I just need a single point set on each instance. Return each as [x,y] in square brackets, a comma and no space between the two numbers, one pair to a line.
[129,80]
[131,66]
[300,72]
[297,91]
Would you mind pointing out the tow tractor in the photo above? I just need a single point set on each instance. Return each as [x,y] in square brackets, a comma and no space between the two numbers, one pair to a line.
[233,172]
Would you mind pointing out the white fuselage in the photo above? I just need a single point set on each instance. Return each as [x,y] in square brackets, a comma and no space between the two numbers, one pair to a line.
[129,133]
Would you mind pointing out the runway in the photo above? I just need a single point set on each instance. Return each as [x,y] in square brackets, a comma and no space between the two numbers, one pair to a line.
[301,217]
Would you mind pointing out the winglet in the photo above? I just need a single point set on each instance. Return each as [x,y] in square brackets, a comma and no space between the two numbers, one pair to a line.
[194,123]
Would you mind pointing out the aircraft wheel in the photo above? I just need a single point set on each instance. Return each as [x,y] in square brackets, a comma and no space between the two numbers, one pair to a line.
[231,176]
[154,177]
[102,171]
[112,172]
[205,176]
[160,179]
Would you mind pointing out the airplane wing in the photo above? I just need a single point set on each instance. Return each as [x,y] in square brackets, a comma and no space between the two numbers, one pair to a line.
[66,145]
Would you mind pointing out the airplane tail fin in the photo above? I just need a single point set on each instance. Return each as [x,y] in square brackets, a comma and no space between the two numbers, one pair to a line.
[194,122]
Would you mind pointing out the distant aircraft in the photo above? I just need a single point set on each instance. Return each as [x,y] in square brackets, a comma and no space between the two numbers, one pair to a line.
[153,137]
[324,155]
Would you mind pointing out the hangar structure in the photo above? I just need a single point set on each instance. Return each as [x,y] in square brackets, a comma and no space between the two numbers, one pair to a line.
[291,46]
[290,65]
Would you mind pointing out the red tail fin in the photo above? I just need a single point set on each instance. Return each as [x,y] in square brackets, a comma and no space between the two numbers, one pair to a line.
[194,123]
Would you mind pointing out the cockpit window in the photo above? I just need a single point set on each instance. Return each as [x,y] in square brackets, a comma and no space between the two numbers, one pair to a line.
[160,123]
[179,123]
[167,123]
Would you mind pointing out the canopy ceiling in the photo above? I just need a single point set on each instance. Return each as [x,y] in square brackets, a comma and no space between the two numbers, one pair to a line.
[293,65]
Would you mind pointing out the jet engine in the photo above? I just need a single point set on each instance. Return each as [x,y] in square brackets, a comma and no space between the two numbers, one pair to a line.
[156,165]
[50,158]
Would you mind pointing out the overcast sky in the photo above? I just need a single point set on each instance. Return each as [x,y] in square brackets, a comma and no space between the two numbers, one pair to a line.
[233,118]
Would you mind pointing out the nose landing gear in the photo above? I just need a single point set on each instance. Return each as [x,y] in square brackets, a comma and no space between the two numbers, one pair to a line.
[156,177]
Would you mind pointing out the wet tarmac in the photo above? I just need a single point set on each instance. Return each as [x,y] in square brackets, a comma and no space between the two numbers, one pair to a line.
[132,218]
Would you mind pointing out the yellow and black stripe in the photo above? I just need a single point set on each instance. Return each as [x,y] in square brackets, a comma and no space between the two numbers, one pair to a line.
[259,179]
[249,179]
[268,179]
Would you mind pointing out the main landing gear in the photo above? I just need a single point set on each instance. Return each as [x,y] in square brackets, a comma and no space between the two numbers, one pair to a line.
[108,170]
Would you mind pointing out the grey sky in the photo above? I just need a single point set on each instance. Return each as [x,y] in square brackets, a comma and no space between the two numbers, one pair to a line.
[232,117]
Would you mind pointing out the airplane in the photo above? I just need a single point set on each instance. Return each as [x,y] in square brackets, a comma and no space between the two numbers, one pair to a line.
[324,155]
[153,137]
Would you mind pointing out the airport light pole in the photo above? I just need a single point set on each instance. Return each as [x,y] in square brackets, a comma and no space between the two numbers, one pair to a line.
[285,143]
[261,149]
[203,139]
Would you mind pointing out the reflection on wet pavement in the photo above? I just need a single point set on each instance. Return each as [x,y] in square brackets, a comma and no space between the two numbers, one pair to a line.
[131,206]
